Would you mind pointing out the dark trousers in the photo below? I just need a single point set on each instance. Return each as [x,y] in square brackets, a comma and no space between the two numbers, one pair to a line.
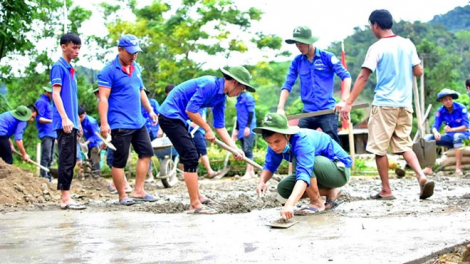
[47,153]
[328,124]
[67,158]
[5,150]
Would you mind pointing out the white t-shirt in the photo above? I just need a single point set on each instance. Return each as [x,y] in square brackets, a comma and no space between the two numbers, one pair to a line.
[393,58]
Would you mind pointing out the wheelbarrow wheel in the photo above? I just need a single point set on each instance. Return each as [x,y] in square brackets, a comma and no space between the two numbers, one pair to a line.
[166,168]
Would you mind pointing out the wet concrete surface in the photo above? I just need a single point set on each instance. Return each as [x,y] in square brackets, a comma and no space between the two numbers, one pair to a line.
[93,236]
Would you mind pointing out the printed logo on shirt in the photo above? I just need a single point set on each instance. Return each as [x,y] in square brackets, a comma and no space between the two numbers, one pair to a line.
[334,60]
[464,110]
[138,75]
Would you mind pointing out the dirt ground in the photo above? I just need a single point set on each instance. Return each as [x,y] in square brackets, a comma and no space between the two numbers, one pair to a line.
[21,191]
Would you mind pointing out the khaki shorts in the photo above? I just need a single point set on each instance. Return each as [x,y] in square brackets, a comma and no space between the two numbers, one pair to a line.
[389,126]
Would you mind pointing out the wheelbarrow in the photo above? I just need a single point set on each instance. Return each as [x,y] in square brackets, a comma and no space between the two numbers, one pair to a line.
[169,159]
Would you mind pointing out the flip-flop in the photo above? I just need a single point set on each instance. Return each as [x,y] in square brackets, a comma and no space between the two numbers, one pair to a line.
[127,201]
[377,196]
[111,189]
[72,206]
[146,198]
[333,204]
[208,202]
[427,190]
[307,211]
[203,210]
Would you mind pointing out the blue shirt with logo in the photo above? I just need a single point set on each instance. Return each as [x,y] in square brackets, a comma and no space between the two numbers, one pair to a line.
[9,125]
[192,95]
[124,99]
[316,79]
[63,74]
[44,106]
[90,127]
[152,129]
[245,105]
[458,117]
[304,146]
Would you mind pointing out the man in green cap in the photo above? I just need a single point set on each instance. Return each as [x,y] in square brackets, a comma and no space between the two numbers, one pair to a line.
[14,123]
[46,132]
[184,103]
[316,69]
[321,165]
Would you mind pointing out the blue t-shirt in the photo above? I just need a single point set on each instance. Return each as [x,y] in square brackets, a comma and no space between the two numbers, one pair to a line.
[124,99]
[9,125]
[152,129]
[458,117]
[316,79]
[44,106]
[192,95]
[63,74]
[90,126]
[305,145]
[245,105]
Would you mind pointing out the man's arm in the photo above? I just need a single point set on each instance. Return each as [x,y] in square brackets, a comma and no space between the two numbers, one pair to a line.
[67,124]
[19,144]
[282,101]
[359,85]
[103,107]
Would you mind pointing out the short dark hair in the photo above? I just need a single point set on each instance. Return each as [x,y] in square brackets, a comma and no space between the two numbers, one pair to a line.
[382,17]
[81,110]
[227,77]
[169,87]
[70,37]
[467,82]
[33,108]
[266,133]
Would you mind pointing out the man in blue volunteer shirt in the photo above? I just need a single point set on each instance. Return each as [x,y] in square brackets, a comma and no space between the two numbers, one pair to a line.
[316,69]
[246,121]
[14,123]
[93,142]
[454,116]
[121,97]
[46,133]
[183,103]
[65,116]
[152,128]
[321,165]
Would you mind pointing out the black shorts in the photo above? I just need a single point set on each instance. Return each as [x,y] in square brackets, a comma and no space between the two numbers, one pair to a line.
[122,139]
[177,131]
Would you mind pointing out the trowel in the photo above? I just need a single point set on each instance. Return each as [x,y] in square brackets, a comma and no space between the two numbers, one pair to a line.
[105,141]
[281,223]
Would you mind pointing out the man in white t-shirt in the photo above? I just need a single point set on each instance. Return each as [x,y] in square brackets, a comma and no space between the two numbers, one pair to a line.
[396,61]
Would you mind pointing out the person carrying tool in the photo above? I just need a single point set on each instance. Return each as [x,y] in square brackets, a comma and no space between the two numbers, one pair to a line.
[65,116]
[14,122]
[396,61]
[93,142]
[183,103]
[122,94]
[46,133]
[246,121]
[316,69]
[454,116]
[321,165]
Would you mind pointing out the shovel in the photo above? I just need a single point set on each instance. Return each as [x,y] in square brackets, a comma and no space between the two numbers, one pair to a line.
[234,152]
[32,162]
[105,141]
[226,168]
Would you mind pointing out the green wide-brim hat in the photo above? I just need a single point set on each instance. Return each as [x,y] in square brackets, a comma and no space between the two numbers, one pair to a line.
[276,123]
[241,75]
[47,89]
[22,113]
[447,92]
[303,35]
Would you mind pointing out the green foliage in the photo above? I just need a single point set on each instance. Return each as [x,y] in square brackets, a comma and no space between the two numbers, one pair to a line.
[455,20]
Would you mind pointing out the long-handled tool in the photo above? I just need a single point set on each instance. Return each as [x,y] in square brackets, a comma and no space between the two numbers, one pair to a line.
[234,152]
[324,112]
[105,141]
[32,162]
[226,168]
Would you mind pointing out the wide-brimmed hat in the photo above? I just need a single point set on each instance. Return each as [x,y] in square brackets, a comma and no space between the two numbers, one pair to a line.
[47,89]
[22,113]
[302,34]
[131,43]
[276,123]
[241,75]
[447,92]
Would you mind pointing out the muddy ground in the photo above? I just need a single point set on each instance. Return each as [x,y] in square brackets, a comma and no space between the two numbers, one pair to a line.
[21,191]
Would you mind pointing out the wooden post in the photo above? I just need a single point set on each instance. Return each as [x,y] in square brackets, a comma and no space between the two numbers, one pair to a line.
[38,158]
[352,148]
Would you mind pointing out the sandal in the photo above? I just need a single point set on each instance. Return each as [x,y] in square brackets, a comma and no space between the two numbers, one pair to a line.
[127,201]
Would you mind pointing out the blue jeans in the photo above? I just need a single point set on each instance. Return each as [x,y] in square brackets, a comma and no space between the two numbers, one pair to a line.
[450,141]
[47,154]
[247,145]
[328,124]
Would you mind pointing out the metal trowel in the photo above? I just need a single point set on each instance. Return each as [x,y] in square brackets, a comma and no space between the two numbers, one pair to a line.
[106,141]
[281,223]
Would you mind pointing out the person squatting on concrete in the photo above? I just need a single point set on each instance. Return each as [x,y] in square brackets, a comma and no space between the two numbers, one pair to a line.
[183,103]
[396,61]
